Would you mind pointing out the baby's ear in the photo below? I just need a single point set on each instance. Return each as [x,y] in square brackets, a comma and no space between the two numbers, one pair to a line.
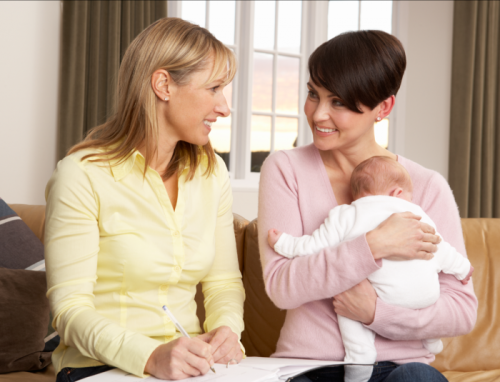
[397,192]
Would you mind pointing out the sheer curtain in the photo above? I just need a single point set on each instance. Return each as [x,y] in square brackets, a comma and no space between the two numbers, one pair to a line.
[474,173]
[94,37]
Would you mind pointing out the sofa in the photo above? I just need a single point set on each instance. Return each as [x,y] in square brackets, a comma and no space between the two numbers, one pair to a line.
[474,357]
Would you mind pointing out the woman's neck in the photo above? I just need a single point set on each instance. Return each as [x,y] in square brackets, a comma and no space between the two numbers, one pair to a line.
[166,147]
[345,160]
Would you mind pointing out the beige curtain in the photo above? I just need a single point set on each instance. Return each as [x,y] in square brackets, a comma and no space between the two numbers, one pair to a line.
[94,37]
[474,173]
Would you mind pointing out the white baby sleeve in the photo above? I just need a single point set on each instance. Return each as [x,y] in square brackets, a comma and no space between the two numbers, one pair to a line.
[336,226]
[452,262]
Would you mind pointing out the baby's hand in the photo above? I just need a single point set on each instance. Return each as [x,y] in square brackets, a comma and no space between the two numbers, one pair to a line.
[272,237]
[467,278]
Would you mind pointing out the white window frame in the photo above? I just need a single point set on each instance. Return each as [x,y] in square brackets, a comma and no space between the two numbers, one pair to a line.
[314,32]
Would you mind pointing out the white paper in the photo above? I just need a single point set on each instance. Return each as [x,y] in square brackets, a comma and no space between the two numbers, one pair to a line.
[222,374]
[278,363]
[250,369]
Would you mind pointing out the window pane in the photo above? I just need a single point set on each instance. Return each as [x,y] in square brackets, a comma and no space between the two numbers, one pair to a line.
[287,85]
[376,15]
[220,137]
[382,133]
[286,133]
[342,17]
[265,15]
[194,11]
[221,20]
[262,93]
[289,26]
[260,140]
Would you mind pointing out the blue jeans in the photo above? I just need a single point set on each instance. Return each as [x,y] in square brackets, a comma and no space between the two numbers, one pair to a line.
[383,372]
[70,374]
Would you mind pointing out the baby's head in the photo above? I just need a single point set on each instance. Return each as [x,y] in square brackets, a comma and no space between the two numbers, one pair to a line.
[381,176]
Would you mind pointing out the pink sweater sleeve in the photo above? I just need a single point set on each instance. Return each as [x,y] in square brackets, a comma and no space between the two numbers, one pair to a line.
[455,312]
[291,283]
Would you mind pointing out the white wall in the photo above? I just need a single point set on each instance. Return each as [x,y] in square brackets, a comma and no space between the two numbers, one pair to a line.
[29,67]
[29,61]
[427,34]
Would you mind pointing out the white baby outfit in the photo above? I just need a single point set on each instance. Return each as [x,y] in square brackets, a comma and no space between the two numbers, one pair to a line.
[411,284]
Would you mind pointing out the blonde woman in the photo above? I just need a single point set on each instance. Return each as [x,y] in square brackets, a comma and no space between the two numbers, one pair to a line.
[140,212]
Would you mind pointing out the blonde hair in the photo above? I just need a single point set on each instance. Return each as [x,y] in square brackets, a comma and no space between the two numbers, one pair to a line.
[180,48]
[376,174]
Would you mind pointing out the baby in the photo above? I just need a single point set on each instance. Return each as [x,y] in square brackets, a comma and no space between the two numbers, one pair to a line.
[380,187]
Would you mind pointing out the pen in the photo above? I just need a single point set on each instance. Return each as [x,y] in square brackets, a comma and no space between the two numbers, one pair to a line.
[179,326]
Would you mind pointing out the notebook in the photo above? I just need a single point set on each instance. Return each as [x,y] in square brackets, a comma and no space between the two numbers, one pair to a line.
[250,369]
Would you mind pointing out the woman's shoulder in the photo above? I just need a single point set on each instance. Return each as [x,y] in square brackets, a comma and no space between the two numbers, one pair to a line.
[421,175]
[304,158]
[77,159]
[78,166]
[428,184]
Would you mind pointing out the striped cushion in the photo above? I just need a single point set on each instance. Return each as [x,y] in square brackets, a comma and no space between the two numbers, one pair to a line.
[19,246]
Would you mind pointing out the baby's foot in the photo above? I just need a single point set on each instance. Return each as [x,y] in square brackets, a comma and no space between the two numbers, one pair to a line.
[272,237]
[467,278]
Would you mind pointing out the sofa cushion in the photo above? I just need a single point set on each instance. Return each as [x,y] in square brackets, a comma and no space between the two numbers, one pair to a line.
[479,349]
[46,375]
[263,320]
[19,246]
[24,314]
[33,216]
[472,376]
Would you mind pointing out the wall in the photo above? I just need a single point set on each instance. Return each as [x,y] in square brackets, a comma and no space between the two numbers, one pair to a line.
[29,44]
[29,67]
[428,43]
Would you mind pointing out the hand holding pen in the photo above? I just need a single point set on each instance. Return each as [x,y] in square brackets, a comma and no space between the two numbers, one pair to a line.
[179,326]
[180,359]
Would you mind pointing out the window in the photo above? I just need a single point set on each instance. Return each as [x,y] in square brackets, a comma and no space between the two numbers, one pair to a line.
[208,15]
[272,41]
[276,77]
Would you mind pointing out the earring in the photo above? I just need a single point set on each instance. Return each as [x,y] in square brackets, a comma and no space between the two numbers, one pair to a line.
[378,118]
[166,98]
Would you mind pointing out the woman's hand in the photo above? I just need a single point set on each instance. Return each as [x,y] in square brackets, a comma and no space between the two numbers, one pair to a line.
[403,237]
[357,303]
[224,343]
[179,359]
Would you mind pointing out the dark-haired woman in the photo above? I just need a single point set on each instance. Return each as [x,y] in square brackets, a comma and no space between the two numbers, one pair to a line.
[354,79]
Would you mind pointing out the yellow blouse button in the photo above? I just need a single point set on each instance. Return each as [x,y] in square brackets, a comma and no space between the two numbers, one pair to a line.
[164,288]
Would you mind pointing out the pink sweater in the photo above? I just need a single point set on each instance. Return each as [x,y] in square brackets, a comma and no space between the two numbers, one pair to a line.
[295,197]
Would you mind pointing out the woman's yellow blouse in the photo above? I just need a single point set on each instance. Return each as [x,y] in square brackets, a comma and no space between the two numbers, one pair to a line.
[116,252]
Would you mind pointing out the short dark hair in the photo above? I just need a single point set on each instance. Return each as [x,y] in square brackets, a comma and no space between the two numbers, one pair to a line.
[362,67]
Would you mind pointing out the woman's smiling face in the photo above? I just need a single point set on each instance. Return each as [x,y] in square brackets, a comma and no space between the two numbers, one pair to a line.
[195,106]
[333,125]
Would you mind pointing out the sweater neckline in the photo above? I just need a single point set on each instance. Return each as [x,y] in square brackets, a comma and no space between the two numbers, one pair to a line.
[324,174]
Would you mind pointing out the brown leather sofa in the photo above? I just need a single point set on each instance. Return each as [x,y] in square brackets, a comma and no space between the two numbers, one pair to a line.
[472,358]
